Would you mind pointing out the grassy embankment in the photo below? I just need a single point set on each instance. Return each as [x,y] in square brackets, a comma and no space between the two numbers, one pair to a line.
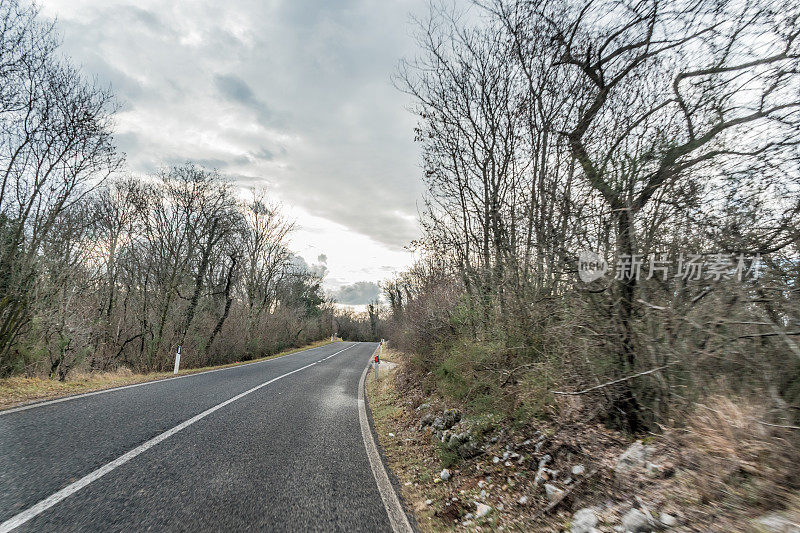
[721,471]
[411,459]
[20,389]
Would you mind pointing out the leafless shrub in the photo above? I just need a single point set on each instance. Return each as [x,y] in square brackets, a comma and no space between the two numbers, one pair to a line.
[736,458]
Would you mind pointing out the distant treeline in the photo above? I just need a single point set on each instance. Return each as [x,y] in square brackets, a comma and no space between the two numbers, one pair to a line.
[99,270]
[368,326]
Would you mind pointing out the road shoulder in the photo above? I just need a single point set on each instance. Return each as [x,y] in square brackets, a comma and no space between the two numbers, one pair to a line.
[17,393]
[388,486]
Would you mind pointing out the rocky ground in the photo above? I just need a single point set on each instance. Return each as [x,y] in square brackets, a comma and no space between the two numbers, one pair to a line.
[462,472]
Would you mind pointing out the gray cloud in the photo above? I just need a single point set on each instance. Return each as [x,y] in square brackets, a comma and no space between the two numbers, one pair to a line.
[147,19]
[359,293]
[266,154]
[300,265]
[296,93]
[236,89]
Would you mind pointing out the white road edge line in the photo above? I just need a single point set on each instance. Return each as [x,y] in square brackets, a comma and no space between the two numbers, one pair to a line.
[72,488]
[397,516]
[103,391]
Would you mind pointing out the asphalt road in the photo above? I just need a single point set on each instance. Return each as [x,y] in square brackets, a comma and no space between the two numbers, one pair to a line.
[288,456]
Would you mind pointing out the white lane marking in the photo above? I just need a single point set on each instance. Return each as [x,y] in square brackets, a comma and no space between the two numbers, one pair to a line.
[85,394]
[72,488]
[397,516]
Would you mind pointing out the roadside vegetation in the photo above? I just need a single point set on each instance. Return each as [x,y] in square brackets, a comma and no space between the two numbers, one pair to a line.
[18,390]
[104,274]
[663,138]
[367,326]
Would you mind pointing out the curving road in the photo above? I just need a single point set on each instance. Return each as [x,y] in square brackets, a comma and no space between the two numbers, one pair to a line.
[273,446]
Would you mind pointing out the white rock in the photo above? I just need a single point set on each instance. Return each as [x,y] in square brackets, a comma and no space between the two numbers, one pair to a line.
[428,502]
[523,500]
[578,470]
[481,484]
[444,474]
[583,521]
[653,469]
[482,510]
[506,455]
[553,492]
[776,523]
[633,458]
[391,434]
[483,493]
[668,520]
[508,463]
[495,459]
[635,521]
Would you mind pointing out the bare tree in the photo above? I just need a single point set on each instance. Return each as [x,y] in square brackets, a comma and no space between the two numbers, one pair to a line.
[55,146]
[642,129]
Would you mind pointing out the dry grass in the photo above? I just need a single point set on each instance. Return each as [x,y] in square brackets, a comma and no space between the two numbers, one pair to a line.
[410,459]
[391,355]
[416,462]
[19,390]
[735,461]
[719,471]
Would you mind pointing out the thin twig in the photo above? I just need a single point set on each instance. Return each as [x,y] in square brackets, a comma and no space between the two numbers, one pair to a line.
[590,389]
[775,334]
[652,306]
[776,425]
[513,370]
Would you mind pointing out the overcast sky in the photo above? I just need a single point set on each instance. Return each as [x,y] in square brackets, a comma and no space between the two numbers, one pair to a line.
[291,94]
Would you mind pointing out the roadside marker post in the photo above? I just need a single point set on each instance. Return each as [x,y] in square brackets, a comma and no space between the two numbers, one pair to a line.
[375,364]
[177,359]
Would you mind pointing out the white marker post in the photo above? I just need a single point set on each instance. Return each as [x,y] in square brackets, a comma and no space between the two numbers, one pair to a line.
[375,365]
[177,359]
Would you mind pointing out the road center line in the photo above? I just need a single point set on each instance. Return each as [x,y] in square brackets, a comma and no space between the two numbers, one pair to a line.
[72,488]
